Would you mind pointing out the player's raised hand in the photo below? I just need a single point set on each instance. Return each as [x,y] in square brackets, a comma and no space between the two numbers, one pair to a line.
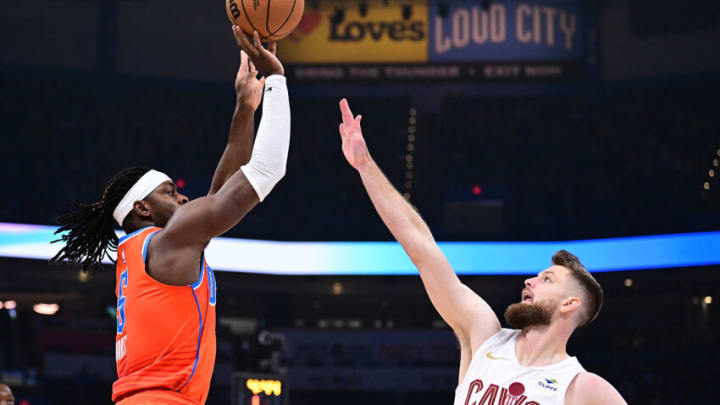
[353,143]
[265,59]
[248,88]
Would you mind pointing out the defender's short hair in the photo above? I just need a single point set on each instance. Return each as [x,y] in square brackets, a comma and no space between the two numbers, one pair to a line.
[593,290]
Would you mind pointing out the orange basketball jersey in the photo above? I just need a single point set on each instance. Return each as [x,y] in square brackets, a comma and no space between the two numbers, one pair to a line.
[165,334]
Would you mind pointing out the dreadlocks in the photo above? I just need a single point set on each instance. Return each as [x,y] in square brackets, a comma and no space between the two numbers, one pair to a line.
[89,230]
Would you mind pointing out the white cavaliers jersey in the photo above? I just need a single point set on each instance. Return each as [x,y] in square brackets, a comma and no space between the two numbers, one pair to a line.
[495,377]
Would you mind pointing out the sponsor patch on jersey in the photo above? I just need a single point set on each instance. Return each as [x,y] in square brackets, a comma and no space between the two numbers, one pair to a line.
[548,384]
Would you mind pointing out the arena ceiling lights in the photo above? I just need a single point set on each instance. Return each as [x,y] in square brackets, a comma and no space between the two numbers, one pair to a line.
[388,258]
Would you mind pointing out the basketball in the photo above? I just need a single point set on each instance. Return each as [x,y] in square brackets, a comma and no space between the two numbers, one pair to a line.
[272,20]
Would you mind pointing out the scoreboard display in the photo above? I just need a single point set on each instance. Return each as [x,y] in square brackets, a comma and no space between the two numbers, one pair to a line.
[259,389]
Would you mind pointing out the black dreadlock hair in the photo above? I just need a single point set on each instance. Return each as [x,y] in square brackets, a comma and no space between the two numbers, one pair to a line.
[89,230]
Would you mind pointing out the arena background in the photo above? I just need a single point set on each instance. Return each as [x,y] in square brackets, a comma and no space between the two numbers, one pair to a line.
[553,120]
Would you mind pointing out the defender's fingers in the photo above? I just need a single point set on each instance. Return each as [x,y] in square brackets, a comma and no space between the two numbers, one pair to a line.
[273,47]
[251,67]
[343,135]
[358,119]
[345,111]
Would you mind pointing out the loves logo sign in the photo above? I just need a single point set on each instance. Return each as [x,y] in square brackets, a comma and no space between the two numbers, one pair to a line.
[343,35]
[376,30]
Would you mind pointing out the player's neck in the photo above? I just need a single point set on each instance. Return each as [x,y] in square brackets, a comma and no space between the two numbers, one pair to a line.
[135,224]
[539,346]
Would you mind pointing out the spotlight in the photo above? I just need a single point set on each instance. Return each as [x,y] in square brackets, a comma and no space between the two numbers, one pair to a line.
[337,288]
[46,309]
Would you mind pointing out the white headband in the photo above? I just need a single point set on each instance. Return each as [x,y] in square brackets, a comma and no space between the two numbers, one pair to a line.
[144,186]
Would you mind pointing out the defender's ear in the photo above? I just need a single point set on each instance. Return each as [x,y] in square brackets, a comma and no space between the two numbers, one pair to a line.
[570,304]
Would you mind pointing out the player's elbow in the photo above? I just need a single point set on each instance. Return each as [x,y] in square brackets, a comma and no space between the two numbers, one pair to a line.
[421,250]
[275,172]
[281,171]
[264,174]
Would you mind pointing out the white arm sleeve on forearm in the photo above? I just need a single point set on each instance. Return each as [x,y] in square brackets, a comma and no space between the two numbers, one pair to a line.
[269,155]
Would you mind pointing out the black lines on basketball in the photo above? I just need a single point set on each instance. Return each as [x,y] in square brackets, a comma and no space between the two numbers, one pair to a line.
[247,17]
[267,19]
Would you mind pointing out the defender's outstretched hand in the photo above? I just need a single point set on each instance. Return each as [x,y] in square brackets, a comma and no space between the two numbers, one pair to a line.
[264,59]
[353,143]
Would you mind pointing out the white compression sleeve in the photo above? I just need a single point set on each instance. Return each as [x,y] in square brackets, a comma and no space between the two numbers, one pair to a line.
[269,155]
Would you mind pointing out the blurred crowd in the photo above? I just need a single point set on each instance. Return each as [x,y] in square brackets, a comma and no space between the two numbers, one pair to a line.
[629,160]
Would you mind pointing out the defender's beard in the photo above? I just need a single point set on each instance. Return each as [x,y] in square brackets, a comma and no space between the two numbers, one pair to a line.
[520,315]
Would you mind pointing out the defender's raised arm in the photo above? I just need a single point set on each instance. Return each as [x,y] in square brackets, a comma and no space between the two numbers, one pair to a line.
[470,316]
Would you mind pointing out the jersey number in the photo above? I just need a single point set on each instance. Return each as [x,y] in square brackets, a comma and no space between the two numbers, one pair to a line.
[121,302]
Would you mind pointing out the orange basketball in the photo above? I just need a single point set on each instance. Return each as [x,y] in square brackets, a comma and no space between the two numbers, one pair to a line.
[272,19]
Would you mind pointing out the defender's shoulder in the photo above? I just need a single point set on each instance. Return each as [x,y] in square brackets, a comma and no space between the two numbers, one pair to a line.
[591,389]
